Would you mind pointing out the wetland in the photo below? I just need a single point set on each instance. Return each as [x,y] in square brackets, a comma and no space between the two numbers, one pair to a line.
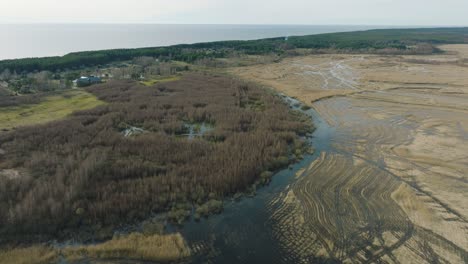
[392,185]
[205,157]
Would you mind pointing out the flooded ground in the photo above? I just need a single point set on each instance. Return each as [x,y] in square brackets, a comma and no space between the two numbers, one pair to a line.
[387,182]
[244,231]
[391,183]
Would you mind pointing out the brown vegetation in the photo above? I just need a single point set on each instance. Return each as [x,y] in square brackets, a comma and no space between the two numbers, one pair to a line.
[391,186]
[83,172]
[29,255]
[8,100]
[134,246]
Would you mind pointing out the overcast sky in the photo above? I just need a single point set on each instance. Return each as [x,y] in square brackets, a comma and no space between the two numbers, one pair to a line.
[358,12]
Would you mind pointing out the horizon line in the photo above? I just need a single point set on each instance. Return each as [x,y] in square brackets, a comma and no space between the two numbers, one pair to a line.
[228,24]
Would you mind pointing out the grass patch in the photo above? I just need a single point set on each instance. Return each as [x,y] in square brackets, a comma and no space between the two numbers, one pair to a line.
[29,255]
[153,81]
[51,108]
[135,246]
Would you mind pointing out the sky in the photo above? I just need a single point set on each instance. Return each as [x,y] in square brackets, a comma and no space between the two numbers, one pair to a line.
[308,12]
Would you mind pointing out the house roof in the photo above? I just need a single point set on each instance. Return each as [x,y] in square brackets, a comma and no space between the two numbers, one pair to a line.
[87,79]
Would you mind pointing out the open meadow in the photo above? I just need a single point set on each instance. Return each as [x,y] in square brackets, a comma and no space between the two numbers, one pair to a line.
[44,108]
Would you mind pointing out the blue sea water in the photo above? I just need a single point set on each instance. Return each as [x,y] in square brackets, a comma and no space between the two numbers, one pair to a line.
[40,40]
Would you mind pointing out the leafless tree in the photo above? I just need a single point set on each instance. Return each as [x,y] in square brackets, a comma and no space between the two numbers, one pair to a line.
[144,61]
[5,75]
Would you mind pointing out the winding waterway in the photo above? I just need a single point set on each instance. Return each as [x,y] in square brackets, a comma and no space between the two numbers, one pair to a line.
[245,231]
[390,186]
[386,183]
[344,203]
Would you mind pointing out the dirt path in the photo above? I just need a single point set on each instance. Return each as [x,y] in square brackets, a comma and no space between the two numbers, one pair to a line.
[393,186]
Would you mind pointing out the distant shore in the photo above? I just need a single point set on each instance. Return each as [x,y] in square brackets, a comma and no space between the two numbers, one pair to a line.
[61,39]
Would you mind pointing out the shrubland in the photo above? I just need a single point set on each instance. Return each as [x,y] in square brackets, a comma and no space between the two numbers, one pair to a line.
[82,173]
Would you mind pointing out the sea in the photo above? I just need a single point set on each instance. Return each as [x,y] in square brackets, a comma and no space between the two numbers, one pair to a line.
[42,40]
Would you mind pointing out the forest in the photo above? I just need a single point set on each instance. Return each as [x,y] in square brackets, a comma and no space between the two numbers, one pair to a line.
[395,41]
[87,172]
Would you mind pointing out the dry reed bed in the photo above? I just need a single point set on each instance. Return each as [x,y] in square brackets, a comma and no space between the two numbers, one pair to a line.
[135,246]
[83,174]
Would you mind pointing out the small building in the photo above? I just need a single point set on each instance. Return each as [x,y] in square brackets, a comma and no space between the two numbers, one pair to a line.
[86,81]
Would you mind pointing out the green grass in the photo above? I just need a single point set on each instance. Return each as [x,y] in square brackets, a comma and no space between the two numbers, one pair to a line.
[154,81]
[51,108]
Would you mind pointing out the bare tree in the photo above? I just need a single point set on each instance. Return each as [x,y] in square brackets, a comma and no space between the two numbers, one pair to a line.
[5,75]
[118,73]
[144,61]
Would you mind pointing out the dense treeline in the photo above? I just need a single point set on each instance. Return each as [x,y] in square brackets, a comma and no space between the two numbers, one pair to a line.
[95,58]
[83,172]
[380,39]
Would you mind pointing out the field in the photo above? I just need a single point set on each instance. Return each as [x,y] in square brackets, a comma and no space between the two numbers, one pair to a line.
[48,108]
[392,185]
